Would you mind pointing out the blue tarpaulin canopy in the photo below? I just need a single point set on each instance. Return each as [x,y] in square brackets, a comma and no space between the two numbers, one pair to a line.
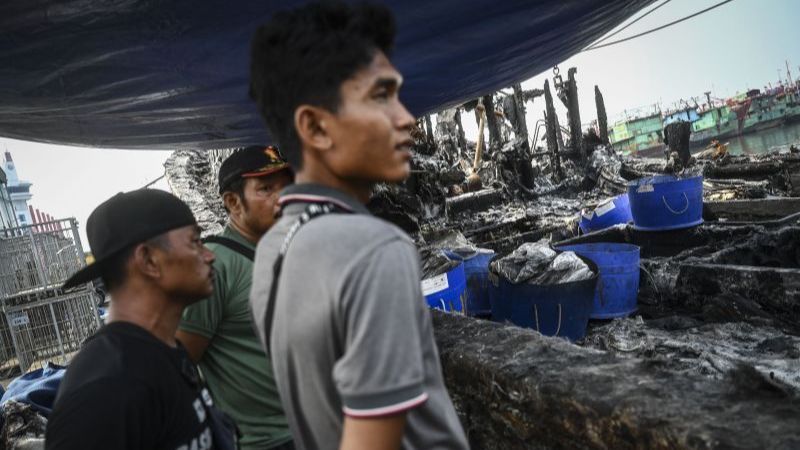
[153,74]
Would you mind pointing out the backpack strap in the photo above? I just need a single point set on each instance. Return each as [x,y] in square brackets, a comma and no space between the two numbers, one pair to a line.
[312,211]
[237,247]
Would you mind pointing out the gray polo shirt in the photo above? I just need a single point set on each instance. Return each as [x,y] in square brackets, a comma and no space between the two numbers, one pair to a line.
[351,333]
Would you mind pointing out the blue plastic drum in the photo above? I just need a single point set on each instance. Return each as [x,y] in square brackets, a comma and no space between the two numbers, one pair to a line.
[554,310]
[666,202]
[618,287]
[446,292]
[476,270]
[607,214]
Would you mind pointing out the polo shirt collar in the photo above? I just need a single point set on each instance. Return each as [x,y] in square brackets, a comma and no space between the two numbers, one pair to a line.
[317,193]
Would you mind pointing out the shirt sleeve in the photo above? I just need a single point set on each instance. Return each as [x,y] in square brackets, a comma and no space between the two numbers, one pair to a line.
[103,415]
[204,317]
[381,371]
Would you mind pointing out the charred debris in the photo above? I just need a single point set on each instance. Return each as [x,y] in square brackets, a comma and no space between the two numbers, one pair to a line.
[711,359]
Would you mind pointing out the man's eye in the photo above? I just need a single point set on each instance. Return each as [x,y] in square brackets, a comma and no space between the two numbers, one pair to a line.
[381,95]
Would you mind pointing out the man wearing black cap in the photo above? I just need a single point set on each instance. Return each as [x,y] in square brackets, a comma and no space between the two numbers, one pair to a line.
[218,331]
[132,386]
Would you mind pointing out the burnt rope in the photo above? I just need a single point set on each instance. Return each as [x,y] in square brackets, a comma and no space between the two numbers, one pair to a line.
[674,22]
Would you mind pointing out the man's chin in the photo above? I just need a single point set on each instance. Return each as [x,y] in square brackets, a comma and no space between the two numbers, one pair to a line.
[200,295]
[399,175]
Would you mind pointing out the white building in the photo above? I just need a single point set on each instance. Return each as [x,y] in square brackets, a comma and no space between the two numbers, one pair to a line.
[20,192]
[8,218]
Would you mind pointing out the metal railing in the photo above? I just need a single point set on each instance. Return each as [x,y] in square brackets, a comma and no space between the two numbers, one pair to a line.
[41,322]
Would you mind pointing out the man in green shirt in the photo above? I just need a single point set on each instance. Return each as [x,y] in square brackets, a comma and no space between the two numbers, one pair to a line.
[217,332]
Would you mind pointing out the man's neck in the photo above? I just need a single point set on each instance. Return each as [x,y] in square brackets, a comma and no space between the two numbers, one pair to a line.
[249,236]
[360,191]
[149,310]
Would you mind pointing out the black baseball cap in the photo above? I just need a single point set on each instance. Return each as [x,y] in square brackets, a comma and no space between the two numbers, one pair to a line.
[127,219]
[253,161]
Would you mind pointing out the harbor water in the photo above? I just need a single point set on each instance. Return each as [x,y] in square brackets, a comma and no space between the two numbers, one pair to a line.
[771,139]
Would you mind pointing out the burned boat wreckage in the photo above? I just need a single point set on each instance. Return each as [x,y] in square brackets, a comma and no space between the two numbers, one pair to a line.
[709,357]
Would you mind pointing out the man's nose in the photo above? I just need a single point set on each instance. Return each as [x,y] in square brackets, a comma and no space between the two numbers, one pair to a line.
[209,255]
[404,119]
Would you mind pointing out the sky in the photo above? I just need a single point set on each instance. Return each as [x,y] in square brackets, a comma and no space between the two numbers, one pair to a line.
[72,181]
[727,50]
[740,45]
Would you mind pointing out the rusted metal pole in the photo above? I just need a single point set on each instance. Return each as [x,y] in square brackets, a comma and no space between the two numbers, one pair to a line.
[602,118]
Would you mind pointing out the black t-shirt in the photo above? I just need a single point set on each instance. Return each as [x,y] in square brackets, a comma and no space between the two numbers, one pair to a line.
[127,390]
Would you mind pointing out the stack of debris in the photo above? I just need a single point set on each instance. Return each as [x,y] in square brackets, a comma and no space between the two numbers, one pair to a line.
[23,427]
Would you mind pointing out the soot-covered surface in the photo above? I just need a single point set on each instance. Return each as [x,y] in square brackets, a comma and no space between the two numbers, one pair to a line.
[516,389]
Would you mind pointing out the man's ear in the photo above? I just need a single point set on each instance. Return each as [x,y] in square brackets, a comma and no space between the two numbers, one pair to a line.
[147,260]
[232,202]
[312,124]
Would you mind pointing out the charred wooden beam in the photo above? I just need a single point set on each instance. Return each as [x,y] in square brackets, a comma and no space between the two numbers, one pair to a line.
[559,136]
[495,141]
[521,125]
[756,209]
[429,129]
[462,138]
[602,118]
[745,170]
[676,136]
[551,128]
[473,201]
[515,389]
[741,293]
[574,113]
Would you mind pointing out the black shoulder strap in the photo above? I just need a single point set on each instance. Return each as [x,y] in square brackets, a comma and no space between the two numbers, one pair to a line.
[238,247]
[312,210]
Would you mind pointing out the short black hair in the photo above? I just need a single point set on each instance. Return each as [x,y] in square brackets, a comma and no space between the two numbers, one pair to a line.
[303,55]
[115,272]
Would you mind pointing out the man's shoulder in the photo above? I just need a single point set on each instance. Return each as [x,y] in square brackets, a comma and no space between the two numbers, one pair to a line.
[333,235]
[109,359]
[230,249]
[119,348]
[360,230]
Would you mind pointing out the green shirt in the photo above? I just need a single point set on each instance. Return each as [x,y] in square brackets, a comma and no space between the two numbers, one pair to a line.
[234,365]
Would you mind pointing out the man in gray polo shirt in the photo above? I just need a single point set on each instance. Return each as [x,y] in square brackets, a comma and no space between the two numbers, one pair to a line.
[351,340]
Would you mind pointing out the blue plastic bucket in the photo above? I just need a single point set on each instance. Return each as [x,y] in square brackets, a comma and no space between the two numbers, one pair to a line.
[607,214]
[666,202]
[447,291]
[554,310]
[618,286]
[476,270]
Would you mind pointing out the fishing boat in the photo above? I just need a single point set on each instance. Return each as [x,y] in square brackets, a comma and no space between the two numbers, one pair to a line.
[640,135]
